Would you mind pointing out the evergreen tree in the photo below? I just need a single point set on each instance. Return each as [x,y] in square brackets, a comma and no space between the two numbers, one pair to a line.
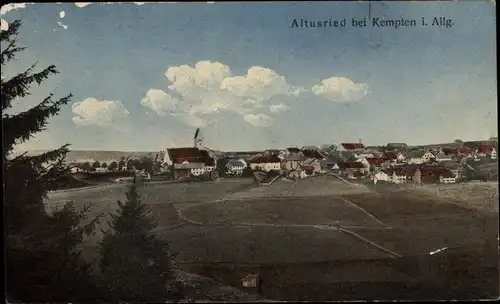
[42,260]
[113,166]
[136,265]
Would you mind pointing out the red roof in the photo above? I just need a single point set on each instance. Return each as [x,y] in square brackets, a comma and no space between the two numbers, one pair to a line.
[450,150]
[376,160]
[390,155]
[352,146]
[192,155]
[485,148]
[464,150]
[350,165]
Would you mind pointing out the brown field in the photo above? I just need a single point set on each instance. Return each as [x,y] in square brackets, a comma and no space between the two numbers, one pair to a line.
[298,211]
[299,261]
[404,205]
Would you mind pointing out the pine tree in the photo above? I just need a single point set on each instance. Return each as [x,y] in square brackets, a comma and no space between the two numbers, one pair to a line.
[42,260]
[135,264]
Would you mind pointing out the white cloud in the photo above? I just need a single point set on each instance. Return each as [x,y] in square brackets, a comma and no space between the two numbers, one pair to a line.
[258,120]
[100,113]
[11,7]
[196,94]
[4,25]
[62,14]
[259,84]
[279,108]
[161,102]
[62,25]
[82,4]
[340,89]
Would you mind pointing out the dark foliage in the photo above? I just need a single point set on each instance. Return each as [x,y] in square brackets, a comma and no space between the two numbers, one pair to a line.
[136,265]
[43,263]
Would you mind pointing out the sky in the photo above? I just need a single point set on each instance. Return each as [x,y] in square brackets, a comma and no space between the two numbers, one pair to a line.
[144,76]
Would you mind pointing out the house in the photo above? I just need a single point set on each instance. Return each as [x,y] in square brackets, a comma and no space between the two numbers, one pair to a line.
[390,155]
[431,173]
[464,151]
[447,177]
[308,169]
[398,177]
[415,157]
[380,176]
[329,163]
[365,163]
[310,152]
[443,156]
[250,281]
[265,163]
[368,154]
[351,167]
[352,146]
[314,164]
[428,157]
[297,174]
[190,161]
[292,162]
[235,167]
[400,157]
[493,154]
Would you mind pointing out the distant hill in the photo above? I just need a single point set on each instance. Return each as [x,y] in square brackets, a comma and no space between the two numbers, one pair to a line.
[101,156]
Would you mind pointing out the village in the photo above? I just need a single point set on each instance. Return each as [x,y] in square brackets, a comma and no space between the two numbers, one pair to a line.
[395,163]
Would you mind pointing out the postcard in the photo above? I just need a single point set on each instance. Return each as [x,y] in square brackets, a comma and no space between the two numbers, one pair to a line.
[244,152]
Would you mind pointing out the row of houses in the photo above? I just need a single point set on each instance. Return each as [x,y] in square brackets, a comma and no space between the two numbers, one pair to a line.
[356,161]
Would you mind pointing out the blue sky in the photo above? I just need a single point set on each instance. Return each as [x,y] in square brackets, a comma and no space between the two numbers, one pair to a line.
[145,76]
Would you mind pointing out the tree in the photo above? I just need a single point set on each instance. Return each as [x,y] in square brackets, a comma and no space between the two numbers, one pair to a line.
[130,164]
[43,263]
[135,264]
[96,165]
[113,166]
[247,172]
[146,163]
[104,165]
[121,164]
[86,166]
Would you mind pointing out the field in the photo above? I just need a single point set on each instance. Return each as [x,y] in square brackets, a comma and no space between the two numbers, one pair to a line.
[293,211]
[319,238]
[476,194]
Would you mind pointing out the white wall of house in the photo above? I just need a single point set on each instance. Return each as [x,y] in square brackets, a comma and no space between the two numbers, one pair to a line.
[398,179]
[400,157]
[447,180]
[290,164]
[201,171]
[428,156]
[236,170]
[271,166]
[416,161]
[380,176]
[494,154]
[366,165]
